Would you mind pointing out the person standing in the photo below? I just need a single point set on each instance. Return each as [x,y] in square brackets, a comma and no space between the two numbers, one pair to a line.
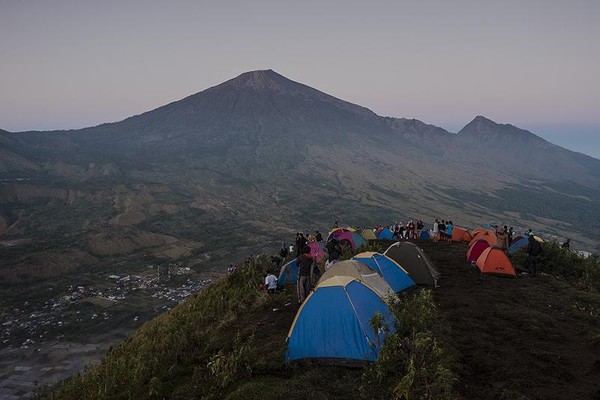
[283,253]
[449,229]
[410,227]
[334,252]
[300,243]
[442,228]
[396,231]
[318,236]
[534,250]
[502,236]
[304,265]
[436,230]
[419,227]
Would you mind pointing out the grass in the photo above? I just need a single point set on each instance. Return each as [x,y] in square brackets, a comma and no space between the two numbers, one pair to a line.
[413,363]
[228,342]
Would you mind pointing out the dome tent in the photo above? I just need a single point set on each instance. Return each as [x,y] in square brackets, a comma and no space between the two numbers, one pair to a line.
[476,249]
[333,325]
[414,261]
[494,261]
[388,269]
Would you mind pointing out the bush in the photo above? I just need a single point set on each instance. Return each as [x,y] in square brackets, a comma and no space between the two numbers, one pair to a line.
[412,364]
[565,264]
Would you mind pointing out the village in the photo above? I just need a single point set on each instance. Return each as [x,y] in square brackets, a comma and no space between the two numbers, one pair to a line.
[51,340]
[156,291]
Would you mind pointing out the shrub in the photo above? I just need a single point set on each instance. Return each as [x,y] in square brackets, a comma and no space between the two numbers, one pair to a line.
[565,264]
[412,363]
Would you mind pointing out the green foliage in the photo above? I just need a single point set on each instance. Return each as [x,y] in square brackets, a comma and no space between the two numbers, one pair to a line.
[186,349]
[209,348]
[226,368]
[412,363]
[565,264]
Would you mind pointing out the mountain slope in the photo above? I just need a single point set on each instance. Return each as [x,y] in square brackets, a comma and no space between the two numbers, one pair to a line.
[520,152]
[263,156]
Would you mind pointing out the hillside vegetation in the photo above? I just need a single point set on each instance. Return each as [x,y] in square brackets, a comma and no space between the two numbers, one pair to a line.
[229,341]
[476,337]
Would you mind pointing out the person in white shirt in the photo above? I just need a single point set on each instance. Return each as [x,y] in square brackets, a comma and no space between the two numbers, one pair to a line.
[271,283]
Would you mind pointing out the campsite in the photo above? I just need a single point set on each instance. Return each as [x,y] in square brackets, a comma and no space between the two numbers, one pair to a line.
[494,337]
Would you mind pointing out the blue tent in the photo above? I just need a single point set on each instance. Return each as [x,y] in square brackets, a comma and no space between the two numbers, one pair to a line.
[334,322]
[385,234]
[388,269]
[424,234]
[517,245]
[288,273]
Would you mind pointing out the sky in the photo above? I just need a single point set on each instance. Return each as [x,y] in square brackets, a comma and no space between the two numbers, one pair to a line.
[68,64]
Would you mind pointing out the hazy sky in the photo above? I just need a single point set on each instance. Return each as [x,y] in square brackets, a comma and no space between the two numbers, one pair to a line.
[534,64]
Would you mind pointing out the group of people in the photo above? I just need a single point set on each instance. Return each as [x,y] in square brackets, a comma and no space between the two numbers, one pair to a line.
[411,230]
[442,230]
[307,267]
[304,239]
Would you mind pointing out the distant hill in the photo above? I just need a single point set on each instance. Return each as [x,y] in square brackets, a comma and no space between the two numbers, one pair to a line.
[253,160]
[520,152]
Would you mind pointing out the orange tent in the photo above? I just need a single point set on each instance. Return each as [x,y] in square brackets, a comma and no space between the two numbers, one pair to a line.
[494,261]
[460,235]
[477,231]
[487,235]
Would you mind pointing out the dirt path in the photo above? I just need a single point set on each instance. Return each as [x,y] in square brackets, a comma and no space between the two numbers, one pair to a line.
[523,338]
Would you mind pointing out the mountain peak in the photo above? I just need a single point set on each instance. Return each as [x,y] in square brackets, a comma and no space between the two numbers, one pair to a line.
[480,123]
[483,128]
[260,80]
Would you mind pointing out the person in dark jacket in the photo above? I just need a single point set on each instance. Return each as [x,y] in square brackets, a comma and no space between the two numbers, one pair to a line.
[534,250]
[283,253]
[334,251]
[300,243]
[318,236]
[304,264]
